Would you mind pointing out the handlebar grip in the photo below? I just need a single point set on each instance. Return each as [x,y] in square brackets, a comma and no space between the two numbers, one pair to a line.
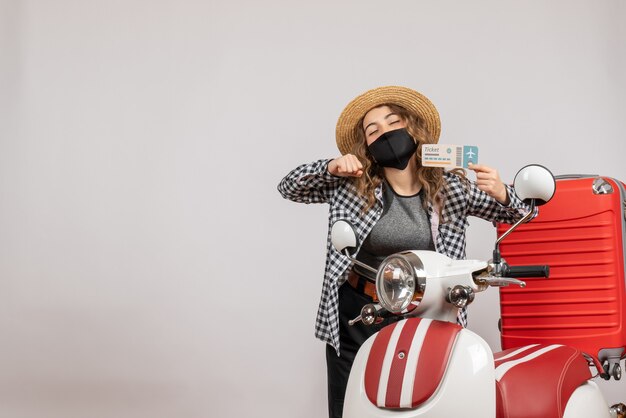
[520,272]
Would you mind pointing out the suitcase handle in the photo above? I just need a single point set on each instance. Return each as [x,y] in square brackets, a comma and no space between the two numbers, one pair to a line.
[575,176]
[520,272]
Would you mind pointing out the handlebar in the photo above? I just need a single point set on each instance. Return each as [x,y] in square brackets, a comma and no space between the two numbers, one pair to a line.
[520,272]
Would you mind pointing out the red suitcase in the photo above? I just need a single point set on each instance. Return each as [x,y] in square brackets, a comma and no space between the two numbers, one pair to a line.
[580,235]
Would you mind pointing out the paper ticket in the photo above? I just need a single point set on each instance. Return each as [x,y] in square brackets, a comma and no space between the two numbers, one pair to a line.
[449,156]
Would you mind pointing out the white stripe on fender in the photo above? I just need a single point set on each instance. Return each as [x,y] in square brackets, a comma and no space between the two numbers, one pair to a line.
[505,367]
[516,352]
[386,369]
[406,397]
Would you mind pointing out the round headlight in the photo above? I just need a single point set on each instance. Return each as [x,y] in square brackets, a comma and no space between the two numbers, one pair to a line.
[400,280]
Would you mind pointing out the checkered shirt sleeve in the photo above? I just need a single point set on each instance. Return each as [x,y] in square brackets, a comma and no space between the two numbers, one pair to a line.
[310,183]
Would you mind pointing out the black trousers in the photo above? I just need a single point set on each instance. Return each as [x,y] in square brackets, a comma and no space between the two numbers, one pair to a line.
[350,339]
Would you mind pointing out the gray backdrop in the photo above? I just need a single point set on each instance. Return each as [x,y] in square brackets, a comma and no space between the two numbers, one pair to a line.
[148,266]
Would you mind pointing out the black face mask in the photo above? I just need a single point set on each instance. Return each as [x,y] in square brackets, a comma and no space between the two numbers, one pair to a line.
[393,149]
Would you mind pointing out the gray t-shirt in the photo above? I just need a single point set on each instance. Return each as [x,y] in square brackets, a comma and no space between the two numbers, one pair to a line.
[403,225]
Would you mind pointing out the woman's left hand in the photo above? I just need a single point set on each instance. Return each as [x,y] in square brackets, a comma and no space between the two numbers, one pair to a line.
[488,180]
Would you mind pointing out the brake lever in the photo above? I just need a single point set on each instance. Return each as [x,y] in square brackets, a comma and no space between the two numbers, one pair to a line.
[503,281]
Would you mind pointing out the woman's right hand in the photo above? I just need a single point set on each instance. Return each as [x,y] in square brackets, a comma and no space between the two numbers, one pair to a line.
[346,166]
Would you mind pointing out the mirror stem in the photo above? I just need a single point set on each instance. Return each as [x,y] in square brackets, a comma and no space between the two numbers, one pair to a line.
[496,251]
[358,263]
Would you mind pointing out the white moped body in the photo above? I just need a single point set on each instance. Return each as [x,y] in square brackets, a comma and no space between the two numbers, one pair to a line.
[467,388]
[427,366]
[467,384]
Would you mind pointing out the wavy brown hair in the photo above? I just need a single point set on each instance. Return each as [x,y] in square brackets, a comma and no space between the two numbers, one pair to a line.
[431,178]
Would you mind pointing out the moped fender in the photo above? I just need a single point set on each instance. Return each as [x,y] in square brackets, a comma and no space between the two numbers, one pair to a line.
[467,387]
[587,402]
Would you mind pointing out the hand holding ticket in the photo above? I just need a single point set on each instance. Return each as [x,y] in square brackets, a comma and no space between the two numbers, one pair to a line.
[449,156]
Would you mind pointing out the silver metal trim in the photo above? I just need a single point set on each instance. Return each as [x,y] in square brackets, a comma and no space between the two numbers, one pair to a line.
[601,186]
[460,296]
[358,263]
[497,281]
[417,271]
[618,410]
[516,224]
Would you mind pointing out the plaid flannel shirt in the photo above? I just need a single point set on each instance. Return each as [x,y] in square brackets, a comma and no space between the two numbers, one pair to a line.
[312,183]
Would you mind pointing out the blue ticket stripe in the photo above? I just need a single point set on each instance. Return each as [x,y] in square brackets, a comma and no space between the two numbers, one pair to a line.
[470,155]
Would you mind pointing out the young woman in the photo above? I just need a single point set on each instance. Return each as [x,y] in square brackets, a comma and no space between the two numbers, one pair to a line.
[394,203]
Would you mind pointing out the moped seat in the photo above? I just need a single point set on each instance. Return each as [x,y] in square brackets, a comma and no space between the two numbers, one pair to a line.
[537,380]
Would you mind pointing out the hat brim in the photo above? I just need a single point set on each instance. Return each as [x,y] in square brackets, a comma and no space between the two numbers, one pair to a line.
[409,99]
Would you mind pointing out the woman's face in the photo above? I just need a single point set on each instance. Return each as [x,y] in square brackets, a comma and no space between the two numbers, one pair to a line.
[380,120]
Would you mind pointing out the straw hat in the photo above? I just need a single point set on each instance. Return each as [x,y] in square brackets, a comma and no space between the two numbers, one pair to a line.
[409,99]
